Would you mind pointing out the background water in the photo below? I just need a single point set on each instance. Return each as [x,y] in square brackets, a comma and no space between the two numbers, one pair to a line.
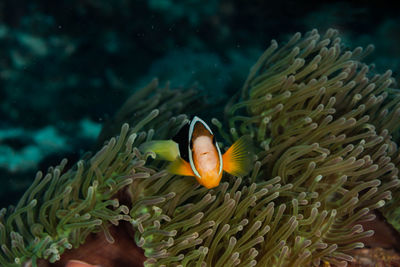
[66,66]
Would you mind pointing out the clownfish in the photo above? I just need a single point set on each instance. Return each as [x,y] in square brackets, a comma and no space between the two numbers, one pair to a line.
[193,151]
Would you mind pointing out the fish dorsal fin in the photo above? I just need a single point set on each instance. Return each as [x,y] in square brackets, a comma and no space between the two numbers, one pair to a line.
[180,167]
[238,159]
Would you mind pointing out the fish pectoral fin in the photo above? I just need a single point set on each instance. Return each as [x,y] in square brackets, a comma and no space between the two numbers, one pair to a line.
[238,159]
[180,167]
[164,149]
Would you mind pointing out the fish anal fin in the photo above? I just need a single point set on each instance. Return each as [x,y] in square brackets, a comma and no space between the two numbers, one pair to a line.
[180,167]
[238,159]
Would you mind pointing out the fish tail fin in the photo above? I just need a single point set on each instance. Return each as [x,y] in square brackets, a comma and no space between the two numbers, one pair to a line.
[238,159]
[164,149]
[180,167]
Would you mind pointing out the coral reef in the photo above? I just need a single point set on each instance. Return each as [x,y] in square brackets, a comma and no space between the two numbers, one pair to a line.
[23,150]
[325,129]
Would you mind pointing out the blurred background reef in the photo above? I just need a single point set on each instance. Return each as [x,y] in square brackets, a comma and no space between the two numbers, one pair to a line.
[67,67]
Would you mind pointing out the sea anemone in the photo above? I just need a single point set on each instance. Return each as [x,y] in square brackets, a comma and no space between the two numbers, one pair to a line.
[322,125]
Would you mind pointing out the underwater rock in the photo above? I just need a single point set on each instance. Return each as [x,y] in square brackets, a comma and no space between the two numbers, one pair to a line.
[98,251]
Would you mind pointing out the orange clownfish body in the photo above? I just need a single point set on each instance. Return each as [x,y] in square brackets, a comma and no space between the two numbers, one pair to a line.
[195,152]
